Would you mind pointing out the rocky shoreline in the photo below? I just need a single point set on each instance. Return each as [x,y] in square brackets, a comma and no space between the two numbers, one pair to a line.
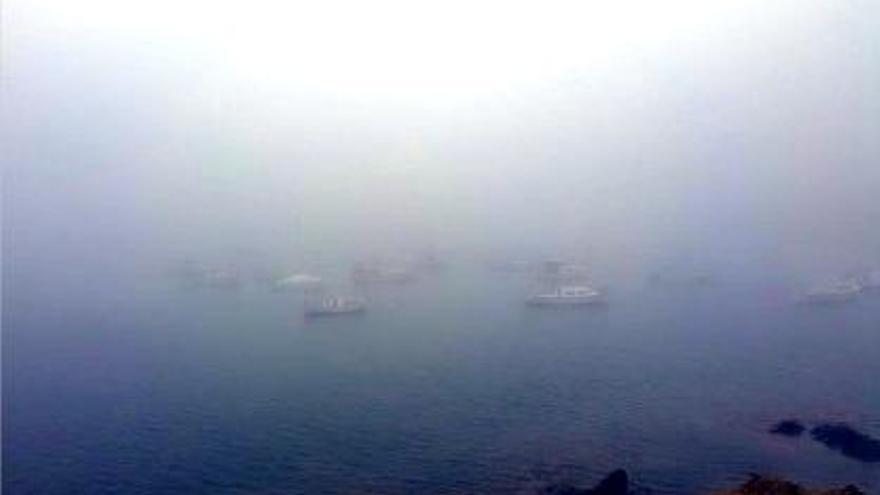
[839,437]
[617,483]
[761,485]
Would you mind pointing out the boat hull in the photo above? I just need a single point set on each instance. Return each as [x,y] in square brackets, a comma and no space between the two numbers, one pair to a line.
[314,313]
[565,302]
[831,296]
[823,299]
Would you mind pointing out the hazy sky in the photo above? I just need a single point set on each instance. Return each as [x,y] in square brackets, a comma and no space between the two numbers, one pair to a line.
[611,131]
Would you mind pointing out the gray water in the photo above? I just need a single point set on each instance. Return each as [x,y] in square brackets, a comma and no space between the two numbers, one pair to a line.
[450,385]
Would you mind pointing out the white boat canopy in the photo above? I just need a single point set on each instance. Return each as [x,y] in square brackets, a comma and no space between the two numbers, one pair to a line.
[299,281]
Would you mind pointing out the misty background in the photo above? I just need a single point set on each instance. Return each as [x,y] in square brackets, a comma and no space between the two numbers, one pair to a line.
[737,136]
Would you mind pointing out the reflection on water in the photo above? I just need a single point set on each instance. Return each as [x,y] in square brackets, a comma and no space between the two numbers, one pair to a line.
[449,385]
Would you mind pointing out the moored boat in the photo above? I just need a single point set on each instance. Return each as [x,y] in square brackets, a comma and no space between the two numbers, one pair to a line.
[331,305]
[563,296]
[837,292]
[299,281]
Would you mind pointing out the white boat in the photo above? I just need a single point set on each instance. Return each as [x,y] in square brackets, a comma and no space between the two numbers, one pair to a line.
[330,305]
[833,293]
[577,295]
[299,281]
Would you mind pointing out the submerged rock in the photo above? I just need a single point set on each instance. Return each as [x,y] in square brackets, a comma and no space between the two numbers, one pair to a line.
[760,485]
[788,427]
[616,483]
[847,441]
[562,489]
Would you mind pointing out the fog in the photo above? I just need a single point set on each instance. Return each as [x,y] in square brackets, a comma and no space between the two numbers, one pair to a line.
[734,137]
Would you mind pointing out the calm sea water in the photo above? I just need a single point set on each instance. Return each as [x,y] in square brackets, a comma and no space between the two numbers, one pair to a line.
[447,386]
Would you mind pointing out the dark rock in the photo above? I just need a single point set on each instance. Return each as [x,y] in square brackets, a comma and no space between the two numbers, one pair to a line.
[847,441]
[760,485]
[788,427]
[562,489]
[616,483]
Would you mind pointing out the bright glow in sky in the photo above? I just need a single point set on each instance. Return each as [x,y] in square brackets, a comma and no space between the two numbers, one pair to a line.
[473,121]
[401,49]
